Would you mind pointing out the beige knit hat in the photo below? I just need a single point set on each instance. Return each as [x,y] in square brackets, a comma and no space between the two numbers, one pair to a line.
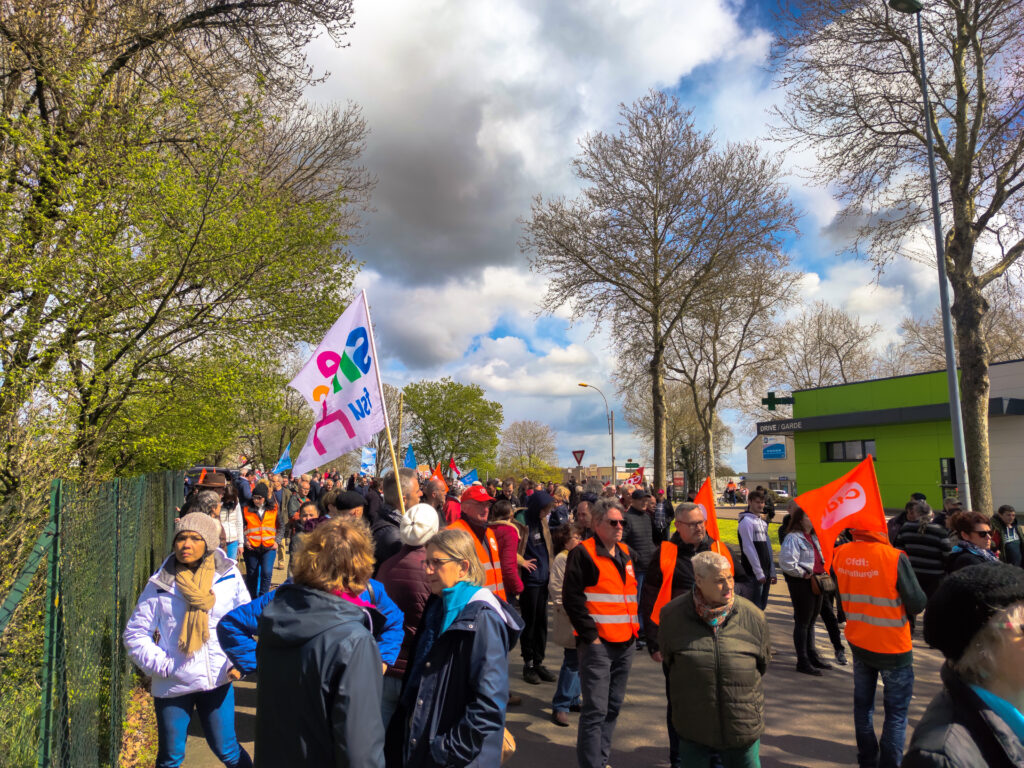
[204,525]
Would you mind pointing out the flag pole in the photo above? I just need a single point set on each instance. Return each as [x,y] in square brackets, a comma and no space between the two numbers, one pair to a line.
[401,398]
[380,388]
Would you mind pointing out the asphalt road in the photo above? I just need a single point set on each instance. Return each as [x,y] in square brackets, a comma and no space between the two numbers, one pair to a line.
[809,719]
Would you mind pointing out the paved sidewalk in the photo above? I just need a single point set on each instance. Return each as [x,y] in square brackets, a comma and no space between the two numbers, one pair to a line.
[810,719]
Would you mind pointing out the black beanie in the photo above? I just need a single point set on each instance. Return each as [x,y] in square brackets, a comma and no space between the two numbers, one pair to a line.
[965,601]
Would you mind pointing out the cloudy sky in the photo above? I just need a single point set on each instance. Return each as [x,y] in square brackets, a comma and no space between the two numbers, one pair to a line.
[474,108]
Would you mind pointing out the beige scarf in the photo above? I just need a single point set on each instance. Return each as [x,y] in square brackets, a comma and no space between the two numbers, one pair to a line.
[196,587]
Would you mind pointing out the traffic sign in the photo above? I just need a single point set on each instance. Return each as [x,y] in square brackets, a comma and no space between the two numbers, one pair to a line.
[632,465]
[578,455]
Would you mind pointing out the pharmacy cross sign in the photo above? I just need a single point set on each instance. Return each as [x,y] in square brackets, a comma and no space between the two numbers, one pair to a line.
[771,401]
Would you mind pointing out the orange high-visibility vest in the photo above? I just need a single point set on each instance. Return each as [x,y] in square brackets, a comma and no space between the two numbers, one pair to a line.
[611,602]
[667,560]
[260,533]
[866,573]
[488,556]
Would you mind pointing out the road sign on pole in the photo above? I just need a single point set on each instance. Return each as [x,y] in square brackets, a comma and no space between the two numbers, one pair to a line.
[632,465]
[578,455]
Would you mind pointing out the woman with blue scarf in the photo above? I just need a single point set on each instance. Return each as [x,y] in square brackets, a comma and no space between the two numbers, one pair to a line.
[457,687]
[972,541]
[976,618]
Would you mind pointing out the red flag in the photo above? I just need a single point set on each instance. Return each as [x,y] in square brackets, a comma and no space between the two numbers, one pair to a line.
[452,467]
[202,476]
[851,501]
[637,478]
[439,477]
[706,499]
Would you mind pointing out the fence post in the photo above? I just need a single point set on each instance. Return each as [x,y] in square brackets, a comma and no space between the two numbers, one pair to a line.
[115,672]
[52,637]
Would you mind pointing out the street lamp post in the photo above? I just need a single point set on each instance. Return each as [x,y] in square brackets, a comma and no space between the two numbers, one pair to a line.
[955,415]
[610,415]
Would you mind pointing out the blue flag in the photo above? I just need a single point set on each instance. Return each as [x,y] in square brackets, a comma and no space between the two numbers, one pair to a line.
[468,478]
[368,461]
[410,458]
[285,462]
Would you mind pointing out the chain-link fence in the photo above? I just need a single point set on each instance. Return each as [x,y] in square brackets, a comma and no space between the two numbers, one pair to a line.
[106,540]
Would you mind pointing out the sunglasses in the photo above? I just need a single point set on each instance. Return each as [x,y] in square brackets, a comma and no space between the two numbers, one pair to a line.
[986,533]
[616,523]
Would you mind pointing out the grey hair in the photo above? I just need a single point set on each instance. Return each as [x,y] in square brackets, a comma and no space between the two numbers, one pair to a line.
[205,502]
[458,545]
[390,485]
[709,564]
[978,662]
[602,507]
[687,506]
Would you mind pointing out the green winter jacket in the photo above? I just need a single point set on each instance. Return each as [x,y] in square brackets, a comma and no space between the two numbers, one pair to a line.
[715,679]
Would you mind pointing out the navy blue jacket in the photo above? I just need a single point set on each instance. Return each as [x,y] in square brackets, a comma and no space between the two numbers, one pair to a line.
[457,686]
[319,694]
[537,540]
[237,628]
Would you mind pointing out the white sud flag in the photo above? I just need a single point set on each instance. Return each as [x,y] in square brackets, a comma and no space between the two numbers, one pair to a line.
[341,383]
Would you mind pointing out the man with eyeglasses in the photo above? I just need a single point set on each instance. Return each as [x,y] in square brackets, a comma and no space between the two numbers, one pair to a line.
[670,575]
[599,594]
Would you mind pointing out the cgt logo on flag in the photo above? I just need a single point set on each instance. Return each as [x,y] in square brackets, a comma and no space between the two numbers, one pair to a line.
[848,500]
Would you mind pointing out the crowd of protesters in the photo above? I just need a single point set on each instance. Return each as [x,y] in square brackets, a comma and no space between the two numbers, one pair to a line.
[389,641]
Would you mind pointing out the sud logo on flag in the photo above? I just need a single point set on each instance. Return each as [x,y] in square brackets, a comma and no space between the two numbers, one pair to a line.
[341,383]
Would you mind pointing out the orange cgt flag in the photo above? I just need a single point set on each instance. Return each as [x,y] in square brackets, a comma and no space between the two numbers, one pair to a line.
[706,498]
[851,501]
[439,477]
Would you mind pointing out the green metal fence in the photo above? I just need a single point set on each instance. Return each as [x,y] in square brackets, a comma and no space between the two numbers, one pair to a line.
[92,559]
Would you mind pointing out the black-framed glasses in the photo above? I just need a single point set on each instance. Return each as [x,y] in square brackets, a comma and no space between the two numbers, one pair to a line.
[986,533]
[616,523]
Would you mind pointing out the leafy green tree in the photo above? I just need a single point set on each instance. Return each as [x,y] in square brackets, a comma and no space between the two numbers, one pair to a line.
[453,420]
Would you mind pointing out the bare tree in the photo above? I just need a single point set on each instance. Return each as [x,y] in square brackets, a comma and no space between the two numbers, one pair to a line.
[661,213]
[850,72]
[527,448]
[824,345]
[380,440]
[729,339]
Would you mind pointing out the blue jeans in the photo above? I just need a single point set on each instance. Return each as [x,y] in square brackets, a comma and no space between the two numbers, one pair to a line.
[216,710]
[567,692]
[259,568]
[897,688]
[694,755]
[231,549]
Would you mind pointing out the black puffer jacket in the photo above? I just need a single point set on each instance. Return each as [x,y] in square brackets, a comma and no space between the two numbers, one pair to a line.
[638,534]
[927,546]
[318,696]
[958,730]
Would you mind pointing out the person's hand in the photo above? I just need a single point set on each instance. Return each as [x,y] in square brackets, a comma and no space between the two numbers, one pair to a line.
[597,641]
[234,675]
[530,565]
[273,545]
[808,575]
[657,656]
[761,580]
[775,579]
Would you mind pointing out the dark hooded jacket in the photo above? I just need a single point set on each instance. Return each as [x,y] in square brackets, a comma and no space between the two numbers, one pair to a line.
[537,541]
[386,538]
[958,730]
[318,696]
[457,686]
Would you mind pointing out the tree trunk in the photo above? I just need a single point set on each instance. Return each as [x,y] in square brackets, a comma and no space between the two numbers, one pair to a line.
[968,310]
[658,400]
[709,451]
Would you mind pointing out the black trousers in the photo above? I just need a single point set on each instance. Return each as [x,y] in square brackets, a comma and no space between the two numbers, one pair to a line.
[806,607]
[533,606]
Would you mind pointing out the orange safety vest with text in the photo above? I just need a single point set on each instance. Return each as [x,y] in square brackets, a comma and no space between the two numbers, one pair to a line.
[866,574]
[260,533]
[488,556]
[611,602]
[667,561]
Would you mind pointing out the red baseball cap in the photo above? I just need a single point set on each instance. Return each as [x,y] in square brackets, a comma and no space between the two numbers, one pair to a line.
[476,493]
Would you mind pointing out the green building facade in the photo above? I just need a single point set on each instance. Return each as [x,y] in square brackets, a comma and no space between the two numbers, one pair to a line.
[904,422]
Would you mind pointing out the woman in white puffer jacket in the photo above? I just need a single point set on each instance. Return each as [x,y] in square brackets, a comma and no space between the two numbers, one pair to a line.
[183,602]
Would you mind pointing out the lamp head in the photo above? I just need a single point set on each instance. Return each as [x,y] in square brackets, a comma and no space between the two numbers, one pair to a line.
[584,385]
[906,6]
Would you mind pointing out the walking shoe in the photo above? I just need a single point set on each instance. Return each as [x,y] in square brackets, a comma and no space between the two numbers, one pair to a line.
[841,657]
[805,667]
[558,717]
[820,663]
[530,675]
[514,700]
[545,674]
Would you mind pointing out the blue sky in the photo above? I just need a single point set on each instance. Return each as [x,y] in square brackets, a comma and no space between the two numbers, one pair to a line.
[474,108]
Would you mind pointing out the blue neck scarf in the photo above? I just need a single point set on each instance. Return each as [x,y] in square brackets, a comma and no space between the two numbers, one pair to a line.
[455,599]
